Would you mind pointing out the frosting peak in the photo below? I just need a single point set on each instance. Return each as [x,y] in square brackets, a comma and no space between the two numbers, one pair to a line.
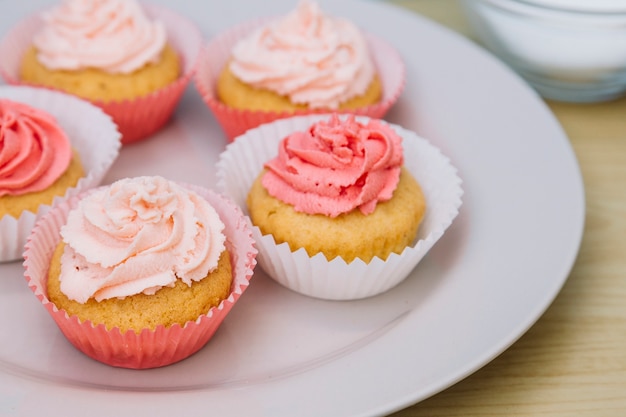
[310,57]
[137,236]
[111,35]
[336,166]
[34,150]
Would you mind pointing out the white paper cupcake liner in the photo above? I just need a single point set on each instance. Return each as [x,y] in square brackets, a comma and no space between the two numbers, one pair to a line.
[388,62]
[91,132]
[149,348]
[136,118]
[315,276]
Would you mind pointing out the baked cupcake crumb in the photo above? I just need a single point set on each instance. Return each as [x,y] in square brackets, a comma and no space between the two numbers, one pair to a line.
[389,229]
[168,306]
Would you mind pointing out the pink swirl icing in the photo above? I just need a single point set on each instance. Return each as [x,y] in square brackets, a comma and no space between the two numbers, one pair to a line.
[307,56]
[34,150]
[110,35]
[336,166]
[137,236]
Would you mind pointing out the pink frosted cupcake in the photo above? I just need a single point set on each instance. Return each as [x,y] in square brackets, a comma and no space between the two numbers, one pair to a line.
[47,154]
[335,210]
[305,62]
[141,273]
[132,61]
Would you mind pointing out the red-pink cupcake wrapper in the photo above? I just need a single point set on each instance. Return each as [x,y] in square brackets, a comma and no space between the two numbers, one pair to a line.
[234,122]
[137,118]
[315,276]
[150,348]
[92,134]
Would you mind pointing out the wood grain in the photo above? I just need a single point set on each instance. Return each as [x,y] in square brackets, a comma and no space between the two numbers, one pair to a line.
[572,362]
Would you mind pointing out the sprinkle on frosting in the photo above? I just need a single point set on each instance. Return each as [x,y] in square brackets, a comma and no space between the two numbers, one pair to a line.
[137,236]
[336,166]
[310,57]
[34,150]
[111,35]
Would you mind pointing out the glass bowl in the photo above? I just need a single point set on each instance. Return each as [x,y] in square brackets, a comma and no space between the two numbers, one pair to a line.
[568,50]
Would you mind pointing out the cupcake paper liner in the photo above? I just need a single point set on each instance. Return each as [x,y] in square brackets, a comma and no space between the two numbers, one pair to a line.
[150,348]
[90,131]
[315,276]
[136,118]
[234,122]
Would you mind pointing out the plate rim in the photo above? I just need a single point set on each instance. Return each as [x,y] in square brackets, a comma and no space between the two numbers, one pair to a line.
[413,396]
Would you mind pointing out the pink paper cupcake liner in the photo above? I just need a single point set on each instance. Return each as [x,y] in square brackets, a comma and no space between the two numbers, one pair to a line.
[137,118]
[215,55]
[241,163]
[150,348]
[94,136]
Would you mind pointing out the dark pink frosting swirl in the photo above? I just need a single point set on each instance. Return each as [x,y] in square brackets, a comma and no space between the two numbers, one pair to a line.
[336,166]
[34,150]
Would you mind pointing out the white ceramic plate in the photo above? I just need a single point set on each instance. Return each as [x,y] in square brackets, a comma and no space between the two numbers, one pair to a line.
[482,286]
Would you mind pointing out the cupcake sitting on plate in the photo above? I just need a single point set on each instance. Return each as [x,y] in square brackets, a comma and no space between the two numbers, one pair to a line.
[342,207]
[140,273]
[132,60]
[304,62]
[47,154]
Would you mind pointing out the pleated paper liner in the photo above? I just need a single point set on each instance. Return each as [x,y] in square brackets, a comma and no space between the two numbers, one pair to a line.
[137,118]
[150,348]
[92,134]
[389,65]
[315,276]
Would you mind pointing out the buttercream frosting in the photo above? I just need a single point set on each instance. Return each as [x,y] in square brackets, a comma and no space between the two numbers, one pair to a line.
[137,236]
[336,166]
[111,35]
[308,56]
[34,150]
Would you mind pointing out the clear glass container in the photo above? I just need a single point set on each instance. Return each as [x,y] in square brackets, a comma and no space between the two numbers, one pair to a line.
[568,50]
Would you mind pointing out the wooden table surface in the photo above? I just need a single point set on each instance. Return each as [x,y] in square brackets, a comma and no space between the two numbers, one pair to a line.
[572,362]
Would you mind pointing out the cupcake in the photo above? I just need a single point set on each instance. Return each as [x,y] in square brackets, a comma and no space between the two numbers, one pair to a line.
[47,154]
[141,273]
[132,61]
[342,207]
[38,162]
[339,188]
[303,62]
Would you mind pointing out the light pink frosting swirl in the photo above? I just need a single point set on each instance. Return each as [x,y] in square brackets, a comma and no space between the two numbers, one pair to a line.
[137,236]
[336,166]
[34,150]
[307,56]
[110,35]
